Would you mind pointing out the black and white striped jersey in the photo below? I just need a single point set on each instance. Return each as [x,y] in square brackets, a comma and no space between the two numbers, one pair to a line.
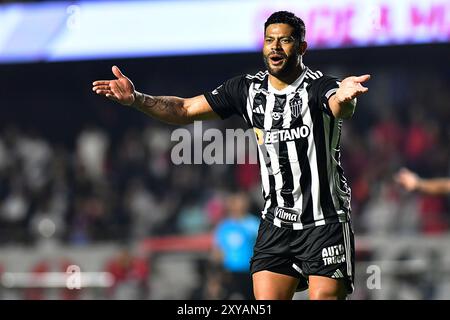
[298,145]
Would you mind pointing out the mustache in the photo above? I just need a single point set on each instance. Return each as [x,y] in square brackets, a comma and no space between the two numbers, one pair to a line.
[278,54]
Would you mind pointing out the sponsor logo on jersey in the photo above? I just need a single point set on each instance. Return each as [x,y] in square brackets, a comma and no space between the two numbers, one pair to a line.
[281,135]
[333,254]
[276,115]
[259,135]
[285,214]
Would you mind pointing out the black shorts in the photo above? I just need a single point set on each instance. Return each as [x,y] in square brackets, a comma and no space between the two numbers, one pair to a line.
[327,250]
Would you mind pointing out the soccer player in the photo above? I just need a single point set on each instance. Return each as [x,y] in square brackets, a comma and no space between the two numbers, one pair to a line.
[412,182]
[305,237]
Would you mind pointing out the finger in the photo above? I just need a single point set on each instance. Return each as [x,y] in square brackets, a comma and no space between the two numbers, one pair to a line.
[112,97]
[405,170]
[101,82]
[116,71]
[402,179]
[363,90]
[359,91]
[362,78]
[103,92]
[101,88]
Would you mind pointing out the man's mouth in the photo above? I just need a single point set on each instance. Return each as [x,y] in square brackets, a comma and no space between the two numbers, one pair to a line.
[276,59]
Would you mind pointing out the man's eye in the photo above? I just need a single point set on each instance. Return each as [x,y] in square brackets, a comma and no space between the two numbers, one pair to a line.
[285,40]
[269,40]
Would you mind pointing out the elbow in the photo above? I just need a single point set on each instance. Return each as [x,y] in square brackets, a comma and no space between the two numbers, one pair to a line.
[182,115]
[180,121]
[347,110]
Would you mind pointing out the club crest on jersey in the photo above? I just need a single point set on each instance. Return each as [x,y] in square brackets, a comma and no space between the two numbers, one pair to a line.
[296,105]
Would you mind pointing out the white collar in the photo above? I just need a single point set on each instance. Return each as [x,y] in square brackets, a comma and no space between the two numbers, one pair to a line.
[290,88]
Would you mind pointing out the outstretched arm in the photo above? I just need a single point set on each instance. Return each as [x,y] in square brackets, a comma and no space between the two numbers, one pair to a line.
[343,103]
[164,108]
[412,182]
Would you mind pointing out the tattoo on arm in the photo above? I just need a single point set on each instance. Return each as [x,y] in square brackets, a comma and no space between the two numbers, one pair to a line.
[164,108]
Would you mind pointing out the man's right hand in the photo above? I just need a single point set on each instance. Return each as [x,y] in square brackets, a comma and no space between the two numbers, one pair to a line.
[120,90]
[168,109]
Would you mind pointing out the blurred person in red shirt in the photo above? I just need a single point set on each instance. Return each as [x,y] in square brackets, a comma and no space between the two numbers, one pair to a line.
[37,293]
[130,276]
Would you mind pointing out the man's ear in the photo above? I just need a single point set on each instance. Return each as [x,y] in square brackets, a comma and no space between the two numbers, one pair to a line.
[302,47]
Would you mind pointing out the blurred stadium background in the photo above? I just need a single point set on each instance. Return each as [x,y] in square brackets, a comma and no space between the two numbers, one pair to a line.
[86,182]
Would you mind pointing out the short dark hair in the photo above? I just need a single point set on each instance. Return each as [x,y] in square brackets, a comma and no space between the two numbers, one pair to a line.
[290,19]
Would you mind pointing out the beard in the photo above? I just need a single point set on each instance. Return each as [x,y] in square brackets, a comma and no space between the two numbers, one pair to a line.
[288,66]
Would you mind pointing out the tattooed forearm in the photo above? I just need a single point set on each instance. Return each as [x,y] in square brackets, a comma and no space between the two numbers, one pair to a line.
[164,108]
[163,105]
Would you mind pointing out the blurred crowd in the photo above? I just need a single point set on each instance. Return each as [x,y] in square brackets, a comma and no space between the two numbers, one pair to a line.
[102,190]
[406,126]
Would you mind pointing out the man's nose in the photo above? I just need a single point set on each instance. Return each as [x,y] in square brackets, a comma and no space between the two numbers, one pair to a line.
[276,45]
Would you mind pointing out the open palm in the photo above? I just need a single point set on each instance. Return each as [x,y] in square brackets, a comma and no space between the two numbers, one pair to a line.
[120,90]
[351,87]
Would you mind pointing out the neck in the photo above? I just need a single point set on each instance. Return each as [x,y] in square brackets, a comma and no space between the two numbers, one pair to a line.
[281,82]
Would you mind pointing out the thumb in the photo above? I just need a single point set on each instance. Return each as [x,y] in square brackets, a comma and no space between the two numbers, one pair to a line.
[116,71]
[362,78]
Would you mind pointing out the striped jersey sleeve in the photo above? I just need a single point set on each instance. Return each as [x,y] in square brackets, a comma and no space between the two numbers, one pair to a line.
[323,88]
[229,98]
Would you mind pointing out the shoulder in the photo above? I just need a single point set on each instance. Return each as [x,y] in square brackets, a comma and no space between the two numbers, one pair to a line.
[313,74]
[318,82]
[259,76]
[235,83]
[316,77]
[244,81]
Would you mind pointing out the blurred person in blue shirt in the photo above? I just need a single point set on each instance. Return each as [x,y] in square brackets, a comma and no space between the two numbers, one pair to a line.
[234,239]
